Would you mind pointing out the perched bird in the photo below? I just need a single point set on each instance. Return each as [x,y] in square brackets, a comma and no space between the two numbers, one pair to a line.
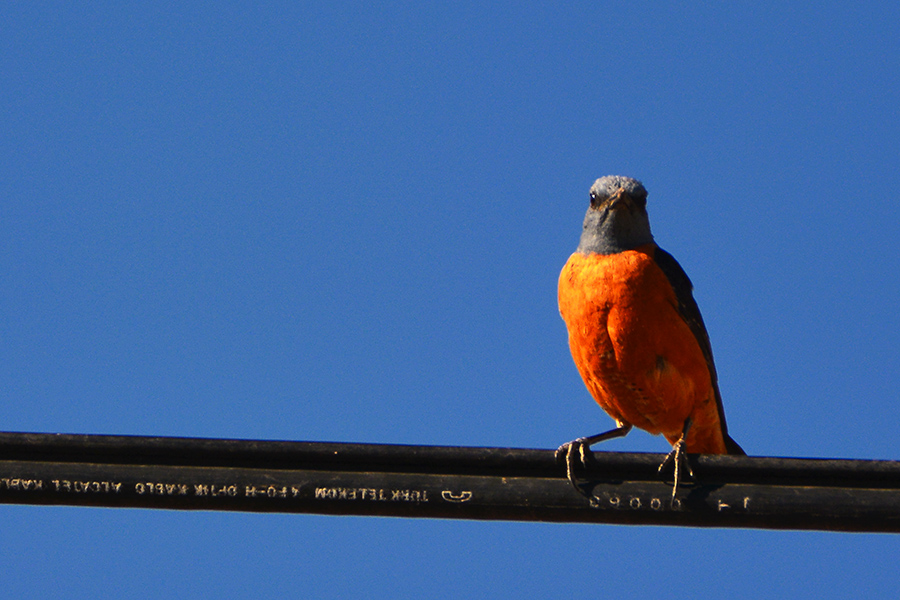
[636,333]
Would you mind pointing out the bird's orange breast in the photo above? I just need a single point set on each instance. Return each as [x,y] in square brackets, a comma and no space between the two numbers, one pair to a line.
[638,357]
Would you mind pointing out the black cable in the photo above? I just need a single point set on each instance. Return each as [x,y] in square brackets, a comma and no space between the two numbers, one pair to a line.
[444,482]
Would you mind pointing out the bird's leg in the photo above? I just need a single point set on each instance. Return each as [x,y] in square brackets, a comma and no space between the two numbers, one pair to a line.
[577,450]
[679,457]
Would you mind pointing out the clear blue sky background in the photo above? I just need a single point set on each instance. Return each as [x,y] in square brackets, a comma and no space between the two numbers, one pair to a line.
[344,222]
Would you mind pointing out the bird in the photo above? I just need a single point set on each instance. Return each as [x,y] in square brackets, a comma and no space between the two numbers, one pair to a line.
[636,334]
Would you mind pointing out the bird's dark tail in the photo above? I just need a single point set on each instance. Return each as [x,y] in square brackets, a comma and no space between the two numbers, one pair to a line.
[732,446]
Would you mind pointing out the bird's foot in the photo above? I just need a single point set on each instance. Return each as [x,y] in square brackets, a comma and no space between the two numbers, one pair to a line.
[678,457]
[579,451]
[571,454]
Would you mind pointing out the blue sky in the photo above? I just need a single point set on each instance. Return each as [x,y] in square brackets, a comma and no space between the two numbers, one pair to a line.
[345,221]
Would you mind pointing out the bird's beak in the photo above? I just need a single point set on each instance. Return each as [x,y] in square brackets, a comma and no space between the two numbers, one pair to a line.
[619,196]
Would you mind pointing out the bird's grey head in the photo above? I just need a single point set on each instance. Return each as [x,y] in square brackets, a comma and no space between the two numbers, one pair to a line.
[617,218]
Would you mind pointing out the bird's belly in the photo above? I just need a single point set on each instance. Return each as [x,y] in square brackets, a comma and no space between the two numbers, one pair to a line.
[650,395]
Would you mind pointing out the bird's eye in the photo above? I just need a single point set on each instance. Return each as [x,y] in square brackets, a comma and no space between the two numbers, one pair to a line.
[595,200]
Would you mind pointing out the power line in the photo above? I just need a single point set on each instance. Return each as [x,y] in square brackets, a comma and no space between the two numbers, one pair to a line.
[444,482]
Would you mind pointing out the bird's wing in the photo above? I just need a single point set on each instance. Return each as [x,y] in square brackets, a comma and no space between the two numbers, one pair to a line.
[689,310]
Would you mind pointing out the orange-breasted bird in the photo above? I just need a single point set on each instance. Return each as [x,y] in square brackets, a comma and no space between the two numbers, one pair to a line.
[636,333]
